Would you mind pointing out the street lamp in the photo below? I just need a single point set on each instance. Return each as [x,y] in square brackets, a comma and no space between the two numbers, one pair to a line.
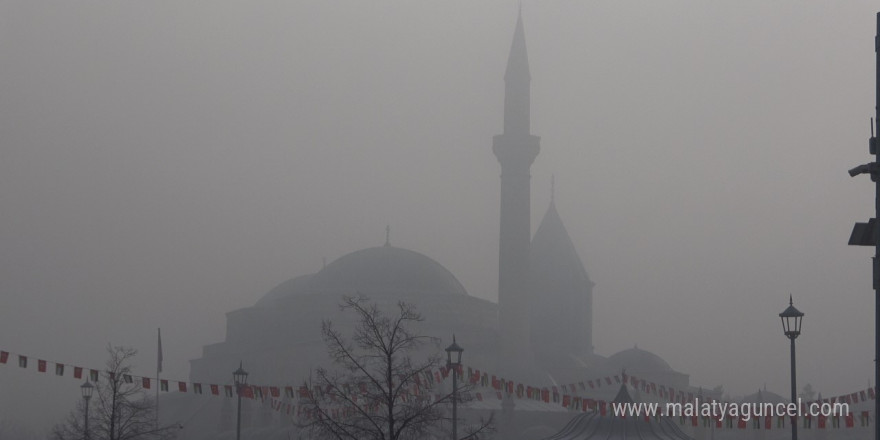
[240,377]
[453,362]
[87,389]
[791,324]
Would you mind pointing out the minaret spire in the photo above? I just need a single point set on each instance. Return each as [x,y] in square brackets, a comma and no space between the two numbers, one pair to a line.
[516,149]
[517,88]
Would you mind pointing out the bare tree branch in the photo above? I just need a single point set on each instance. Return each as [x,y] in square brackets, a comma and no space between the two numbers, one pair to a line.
[376,392]
[119,408]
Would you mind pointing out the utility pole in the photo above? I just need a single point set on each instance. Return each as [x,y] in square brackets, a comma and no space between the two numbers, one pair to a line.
[868,234]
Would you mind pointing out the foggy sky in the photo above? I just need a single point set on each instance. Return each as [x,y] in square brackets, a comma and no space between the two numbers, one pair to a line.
[163,163]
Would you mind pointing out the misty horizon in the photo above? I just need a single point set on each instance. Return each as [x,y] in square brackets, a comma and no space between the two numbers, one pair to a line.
[165,164]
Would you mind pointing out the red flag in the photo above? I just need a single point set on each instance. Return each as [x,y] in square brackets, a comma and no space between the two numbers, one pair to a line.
[247,391]
[741,424]
[850,422]
[4,356]
[41,366]
[77,372]
[822,421]
[602,408]
[181,386]
[145,383]
[215,390]
[275,392]
[768,422]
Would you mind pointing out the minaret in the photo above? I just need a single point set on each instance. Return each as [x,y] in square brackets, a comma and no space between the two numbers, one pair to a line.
[516,149]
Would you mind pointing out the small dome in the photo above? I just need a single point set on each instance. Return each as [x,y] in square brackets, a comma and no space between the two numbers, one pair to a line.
[386,269]
[764,396]
[636,359]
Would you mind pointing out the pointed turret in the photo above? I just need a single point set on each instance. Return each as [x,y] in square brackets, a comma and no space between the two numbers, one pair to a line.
[562,301]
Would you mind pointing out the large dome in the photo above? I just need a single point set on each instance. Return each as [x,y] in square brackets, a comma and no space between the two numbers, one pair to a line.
[386,269]
[376,270]
[636,359]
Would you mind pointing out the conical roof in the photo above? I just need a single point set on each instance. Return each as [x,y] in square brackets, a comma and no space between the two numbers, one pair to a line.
[518,60]
[554,257]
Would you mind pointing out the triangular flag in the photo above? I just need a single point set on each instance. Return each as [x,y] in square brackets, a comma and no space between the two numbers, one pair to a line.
[145,383]
[77,372]
[41,366]
[59,369]
[22,361]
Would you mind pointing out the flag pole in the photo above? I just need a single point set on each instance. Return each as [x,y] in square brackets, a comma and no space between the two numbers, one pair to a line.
[158,370]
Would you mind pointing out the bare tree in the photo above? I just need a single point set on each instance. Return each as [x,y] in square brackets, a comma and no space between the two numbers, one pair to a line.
[379,392]
[119,408]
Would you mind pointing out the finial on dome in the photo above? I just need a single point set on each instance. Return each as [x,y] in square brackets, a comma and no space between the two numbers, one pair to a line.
[789,300]
[552,188]
[387,235]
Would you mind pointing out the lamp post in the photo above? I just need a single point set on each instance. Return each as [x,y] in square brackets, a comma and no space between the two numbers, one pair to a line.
[87,389]
[791,324]
[868,234]
[240,377]
[453,362]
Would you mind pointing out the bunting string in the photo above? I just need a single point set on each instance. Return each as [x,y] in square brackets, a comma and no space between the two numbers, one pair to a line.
[568,397]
